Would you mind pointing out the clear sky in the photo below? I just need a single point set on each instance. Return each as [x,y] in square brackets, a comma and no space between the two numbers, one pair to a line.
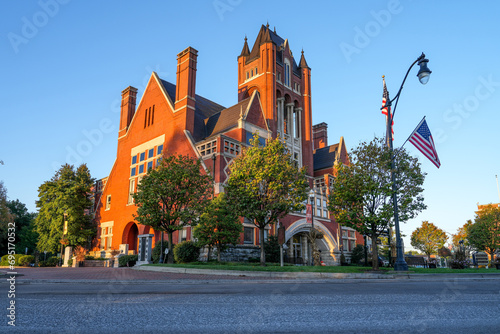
[64,64]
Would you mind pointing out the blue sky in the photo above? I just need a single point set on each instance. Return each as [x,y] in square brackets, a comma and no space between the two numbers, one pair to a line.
[64,64]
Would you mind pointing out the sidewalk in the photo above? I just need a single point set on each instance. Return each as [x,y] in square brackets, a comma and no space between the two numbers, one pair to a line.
[149,274]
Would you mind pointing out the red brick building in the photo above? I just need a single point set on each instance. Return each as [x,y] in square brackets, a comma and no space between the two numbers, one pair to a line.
[274,98]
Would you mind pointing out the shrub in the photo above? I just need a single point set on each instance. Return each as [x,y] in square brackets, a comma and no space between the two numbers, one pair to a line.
[272,249]
[155,256]
[186,252]
[127,260]
[26,260]
[70,262]
[460,264]
[89,257]
[6,260]
[51,262]
[358,254]
[254,259]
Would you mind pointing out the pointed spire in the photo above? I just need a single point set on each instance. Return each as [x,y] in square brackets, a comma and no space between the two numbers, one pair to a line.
[267,25]
[246,51]
[267,35]
[303,62]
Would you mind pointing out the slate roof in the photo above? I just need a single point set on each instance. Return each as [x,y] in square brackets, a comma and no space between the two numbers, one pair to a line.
[265,36]
[210,118]
[324,157]
[245,51]
[225,119]
[204,107]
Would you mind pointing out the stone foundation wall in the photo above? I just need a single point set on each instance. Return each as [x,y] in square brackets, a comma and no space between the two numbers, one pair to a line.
[238,253]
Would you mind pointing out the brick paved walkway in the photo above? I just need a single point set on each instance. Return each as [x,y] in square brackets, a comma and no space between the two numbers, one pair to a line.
[118,274]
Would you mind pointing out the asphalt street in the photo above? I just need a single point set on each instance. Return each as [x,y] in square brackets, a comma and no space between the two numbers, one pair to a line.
[265,306]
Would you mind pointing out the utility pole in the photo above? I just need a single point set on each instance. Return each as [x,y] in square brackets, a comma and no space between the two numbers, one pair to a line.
[498,189]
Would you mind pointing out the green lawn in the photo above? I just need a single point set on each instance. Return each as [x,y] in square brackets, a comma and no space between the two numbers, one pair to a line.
[329,269]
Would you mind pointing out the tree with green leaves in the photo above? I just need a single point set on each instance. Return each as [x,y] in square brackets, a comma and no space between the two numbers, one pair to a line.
[484,234]
[428,238]
[5,219]
[26,236]
[461,235]
[219,226]
[361,197]
[173,196]
[66,198]
[265,185]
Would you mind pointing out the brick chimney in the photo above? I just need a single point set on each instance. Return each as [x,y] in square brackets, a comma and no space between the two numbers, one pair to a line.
[320,135]
[129,96]
[185,90]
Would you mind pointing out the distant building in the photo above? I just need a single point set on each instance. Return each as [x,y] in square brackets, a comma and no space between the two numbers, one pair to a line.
[274,99]
[481,207]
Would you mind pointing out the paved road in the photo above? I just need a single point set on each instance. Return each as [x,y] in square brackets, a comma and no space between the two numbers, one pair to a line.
[270,306]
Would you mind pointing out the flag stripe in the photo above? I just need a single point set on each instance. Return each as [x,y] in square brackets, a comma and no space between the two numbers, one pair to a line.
[422,139]
[420,143]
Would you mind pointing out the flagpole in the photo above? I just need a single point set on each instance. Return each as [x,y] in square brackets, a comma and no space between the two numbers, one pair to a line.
[423,119]
[498,189]
[400,264]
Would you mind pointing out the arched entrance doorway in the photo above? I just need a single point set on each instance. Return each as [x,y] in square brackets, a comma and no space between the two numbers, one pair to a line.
[300,251]
[129,236]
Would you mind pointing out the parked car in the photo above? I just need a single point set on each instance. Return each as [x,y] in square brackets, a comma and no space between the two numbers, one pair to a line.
[383,262]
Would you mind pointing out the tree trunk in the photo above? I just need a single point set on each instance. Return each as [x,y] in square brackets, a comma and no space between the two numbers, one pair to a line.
[374,253]
[170,256]
[208,254]
[218,253]
[262,251]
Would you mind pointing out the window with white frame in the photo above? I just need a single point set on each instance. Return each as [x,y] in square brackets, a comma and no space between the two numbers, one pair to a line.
[183,235]
[106,235]
[231,148]
[248,235]
[348,239]
[207,148]
[108,202]
[131,191]
[287,73]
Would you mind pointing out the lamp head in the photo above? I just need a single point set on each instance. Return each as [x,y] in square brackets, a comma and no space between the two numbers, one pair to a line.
[311,193]
[424,72]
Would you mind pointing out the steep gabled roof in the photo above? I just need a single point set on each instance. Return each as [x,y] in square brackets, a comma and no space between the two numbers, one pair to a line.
[325,157]
[303,62]
[246,51]
[265,36]
[225,119]
[204,107]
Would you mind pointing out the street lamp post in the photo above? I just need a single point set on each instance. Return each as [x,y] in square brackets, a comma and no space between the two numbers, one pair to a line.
[65,231]
[423,76]
[310,219]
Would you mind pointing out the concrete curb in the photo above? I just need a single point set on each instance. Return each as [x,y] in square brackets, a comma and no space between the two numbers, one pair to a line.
[266,274]
[323,276]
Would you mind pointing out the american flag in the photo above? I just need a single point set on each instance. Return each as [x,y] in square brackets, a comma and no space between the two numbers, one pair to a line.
[385,97]
[385,110]
[422,139]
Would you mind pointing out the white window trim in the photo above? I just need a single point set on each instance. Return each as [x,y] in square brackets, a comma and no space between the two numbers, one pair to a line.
[107,205]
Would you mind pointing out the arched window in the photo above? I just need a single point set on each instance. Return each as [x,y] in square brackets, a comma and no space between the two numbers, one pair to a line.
[287,73]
